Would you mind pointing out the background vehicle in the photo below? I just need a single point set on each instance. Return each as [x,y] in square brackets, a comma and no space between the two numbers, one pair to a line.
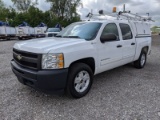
[40,30]
[24,31]
[52,32]
[6,31]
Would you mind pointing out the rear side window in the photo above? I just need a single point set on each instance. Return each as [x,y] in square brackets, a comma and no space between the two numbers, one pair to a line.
[111,28]
[126,31]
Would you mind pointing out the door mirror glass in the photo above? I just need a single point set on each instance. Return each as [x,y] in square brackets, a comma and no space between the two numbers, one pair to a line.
[108,37]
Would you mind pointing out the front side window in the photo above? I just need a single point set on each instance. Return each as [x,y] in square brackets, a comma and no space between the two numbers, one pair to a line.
[126,31]
[83,30]
[111,28]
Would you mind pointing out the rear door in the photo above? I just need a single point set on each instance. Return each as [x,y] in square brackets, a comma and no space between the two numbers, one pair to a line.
[129,43]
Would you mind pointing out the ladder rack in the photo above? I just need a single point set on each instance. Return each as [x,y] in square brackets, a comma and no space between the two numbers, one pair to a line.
[136,17]
[127,15]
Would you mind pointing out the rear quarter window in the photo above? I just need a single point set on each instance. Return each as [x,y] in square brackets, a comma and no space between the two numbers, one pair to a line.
[126,31]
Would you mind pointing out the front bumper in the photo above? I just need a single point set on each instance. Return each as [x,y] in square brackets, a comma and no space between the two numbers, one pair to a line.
[40,35]
[50,81]
[51,34]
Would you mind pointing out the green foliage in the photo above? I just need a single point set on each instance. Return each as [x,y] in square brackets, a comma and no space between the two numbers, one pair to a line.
[64,9]
[34,16]
[6,14]
[23,5]
[155,29]
[1,4]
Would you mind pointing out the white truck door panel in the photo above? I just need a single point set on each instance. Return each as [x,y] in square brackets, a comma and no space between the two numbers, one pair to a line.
[129,47]
[110,52]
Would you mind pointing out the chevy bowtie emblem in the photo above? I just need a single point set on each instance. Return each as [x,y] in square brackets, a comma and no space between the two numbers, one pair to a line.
[19,57]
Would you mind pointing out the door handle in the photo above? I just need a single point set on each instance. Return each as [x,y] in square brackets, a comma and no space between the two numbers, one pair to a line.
[132,43]
[119,46]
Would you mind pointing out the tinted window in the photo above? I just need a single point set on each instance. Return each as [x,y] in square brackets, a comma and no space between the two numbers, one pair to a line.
[111,28]
[126,31]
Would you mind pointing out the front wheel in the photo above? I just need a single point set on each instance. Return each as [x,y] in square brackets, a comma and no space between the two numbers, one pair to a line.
[79,80]
[140,63]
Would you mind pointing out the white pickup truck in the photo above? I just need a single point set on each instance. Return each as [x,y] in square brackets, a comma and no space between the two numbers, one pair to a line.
[68,61]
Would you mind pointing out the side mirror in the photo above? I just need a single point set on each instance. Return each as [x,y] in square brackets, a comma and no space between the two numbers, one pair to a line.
[108,37]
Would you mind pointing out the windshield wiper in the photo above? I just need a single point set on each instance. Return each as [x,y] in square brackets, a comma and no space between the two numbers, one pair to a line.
[71,36]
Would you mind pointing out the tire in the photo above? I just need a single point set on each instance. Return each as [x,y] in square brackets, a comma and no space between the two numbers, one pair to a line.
[140,63]
[77,86]
[20,38]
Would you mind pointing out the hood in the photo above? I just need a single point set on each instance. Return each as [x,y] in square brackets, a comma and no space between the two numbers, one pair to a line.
[51,32]
[44,45]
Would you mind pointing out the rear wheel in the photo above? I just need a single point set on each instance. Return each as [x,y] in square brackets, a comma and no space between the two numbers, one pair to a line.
[140,63]
[80,80]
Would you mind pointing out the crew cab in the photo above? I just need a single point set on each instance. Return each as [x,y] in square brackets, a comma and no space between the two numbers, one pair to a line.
[68,61]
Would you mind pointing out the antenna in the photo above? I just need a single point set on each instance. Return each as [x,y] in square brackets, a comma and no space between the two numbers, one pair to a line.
[90,15]
[124,8]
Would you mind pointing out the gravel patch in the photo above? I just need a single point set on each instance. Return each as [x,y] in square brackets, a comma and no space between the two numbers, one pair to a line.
[124,93]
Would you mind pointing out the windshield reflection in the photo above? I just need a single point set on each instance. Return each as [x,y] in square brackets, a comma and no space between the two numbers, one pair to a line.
[83,30]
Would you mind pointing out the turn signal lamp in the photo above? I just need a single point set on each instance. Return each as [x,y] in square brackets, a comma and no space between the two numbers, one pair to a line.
[61,61]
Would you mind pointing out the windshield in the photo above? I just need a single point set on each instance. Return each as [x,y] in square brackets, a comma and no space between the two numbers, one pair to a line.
[83,30]
[53,30]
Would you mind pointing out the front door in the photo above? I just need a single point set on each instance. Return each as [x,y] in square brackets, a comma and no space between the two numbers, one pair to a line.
[110,52]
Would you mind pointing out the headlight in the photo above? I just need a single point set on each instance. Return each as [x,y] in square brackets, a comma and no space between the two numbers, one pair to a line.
[52,61]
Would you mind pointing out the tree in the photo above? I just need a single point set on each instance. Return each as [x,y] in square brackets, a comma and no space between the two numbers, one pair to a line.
[4,12]
[23,5]
[155,29]
[35,16]
[27,11]
[64,9]
[1,4]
